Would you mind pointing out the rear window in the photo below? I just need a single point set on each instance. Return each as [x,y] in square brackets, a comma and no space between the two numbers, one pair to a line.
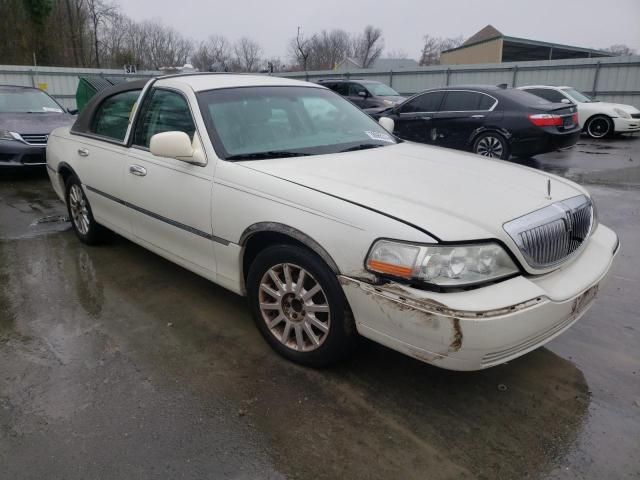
[524,98]
[547,94]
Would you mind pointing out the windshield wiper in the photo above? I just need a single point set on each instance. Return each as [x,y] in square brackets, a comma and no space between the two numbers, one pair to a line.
[362,146]
[269,154]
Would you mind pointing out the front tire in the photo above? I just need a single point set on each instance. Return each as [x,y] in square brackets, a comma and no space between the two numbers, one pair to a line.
[599,126]
[299,306]
[80,214]
[492,145]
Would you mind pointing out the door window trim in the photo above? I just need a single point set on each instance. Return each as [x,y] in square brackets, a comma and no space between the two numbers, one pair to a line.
[423,111]
[141,111]
[495,104]
[103,138]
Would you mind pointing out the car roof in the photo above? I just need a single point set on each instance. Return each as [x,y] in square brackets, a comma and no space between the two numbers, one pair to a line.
[359,80]
[544,86]
[210,81]
[12,88]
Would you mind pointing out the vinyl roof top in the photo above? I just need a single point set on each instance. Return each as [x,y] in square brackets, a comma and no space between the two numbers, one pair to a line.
[209,81]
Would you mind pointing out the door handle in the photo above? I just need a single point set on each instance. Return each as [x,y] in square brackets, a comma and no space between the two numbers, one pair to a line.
[137,170]
[477,116]
[83,152]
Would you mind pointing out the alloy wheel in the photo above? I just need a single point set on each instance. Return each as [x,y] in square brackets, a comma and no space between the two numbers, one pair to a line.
[294,307]
[490,147]
[598,127]
[78,208]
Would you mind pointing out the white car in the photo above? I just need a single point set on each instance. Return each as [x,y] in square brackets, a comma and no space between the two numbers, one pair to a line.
[283,191]
[597,119]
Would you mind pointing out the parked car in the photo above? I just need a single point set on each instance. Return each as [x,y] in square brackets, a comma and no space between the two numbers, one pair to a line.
[284,192]
[597,119]
[27,117]
[364,93]
[492,121]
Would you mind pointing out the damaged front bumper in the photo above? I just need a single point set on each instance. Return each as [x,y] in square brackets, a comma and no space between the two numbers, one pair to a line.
[476,329]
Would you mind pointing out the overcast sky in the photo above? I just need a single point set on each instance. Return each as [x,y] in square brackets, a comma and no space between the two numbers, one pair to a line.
[585,23]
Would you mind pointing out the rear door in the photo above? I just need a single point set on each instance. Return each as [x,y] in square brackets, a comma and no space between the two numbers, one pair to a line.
[462,113]
[415,117]
[100,158]
[170,199]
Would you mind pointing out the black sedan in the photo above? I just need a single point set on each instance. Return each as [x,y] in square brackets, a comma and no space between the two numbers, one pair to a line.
[27,117]
[494,121]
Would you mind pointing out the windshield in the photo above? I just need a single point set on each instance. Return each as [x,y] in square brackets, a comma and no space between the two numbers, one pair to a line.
[578,96]
[381,90]
[27,101]
[272,122]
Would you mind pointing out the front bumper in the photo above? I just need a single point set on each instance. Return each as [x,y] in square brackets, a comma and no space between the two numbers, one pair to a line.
[476,329]
[626,125]
[17,154]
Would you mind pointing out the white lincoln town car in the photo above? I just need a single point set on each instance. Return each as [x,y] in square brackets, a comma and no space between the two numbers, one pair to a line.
[287,193]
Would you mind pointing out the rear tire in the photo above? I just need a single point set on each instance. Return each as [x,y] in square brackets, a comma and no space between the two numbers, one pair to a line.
[492,145]
[599,126]
[80,214]
[299,306]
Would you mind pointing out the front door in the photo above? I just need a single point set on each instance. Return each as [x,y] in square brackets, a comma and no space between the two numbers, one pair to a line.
[170,200]
[414,120]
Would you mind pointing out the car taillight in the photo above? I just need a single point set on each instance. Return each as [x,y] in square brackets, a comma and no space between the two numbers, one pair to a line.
[575,118]
[546,120]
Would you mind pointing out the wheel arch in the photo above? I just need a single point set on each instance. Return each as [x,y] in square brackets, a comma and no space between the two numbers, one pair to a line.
[263,234]
[490,129]
[598,114]
[65,171]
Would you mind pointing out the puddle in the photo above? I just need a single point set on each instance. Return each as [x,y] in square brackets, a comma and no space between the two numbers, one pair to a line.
[51,219]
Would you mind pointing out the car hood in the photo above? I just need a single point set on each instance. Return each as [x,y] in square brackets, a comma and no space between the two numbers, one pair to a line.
[452,195]
[34,123]
[607,105]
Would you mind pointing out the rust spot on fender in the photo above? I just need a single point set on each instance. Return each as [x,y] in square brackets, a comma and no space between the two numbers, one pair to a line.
[456,341]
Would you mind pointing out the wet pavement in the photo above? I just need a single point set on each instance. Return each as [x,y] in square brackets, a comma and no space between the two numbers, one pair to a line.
[115,363]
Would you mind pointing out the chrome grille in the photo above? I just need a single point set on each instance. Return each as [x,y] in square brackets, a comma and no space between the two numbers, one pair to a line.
[34,139]
[550,235]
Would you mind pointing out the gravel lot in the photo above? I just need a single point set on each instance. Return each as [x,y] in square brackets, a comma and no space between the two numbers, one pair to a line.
[118,364]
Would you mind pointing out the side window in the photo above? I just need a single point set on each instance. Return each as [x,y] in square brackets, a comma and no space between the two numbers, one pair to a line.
[463,102]
[428,102]
[342,88]
[547,93]
[164,111]
[112,117]
[355,89]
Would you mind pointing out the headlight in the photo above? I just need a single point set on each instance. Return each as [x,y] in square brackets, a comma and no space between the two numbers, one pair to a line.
[7,135]
[442,265]
[621,113]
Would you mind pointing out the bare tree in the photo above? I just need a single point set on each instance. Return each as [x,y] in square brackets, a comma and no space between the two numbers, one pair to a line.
[368,46]
[620,49]
[328,49]
[213,54]
[300,49]
[434,46]
[247,55]
[397,54]
[99,13]
[164,46]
